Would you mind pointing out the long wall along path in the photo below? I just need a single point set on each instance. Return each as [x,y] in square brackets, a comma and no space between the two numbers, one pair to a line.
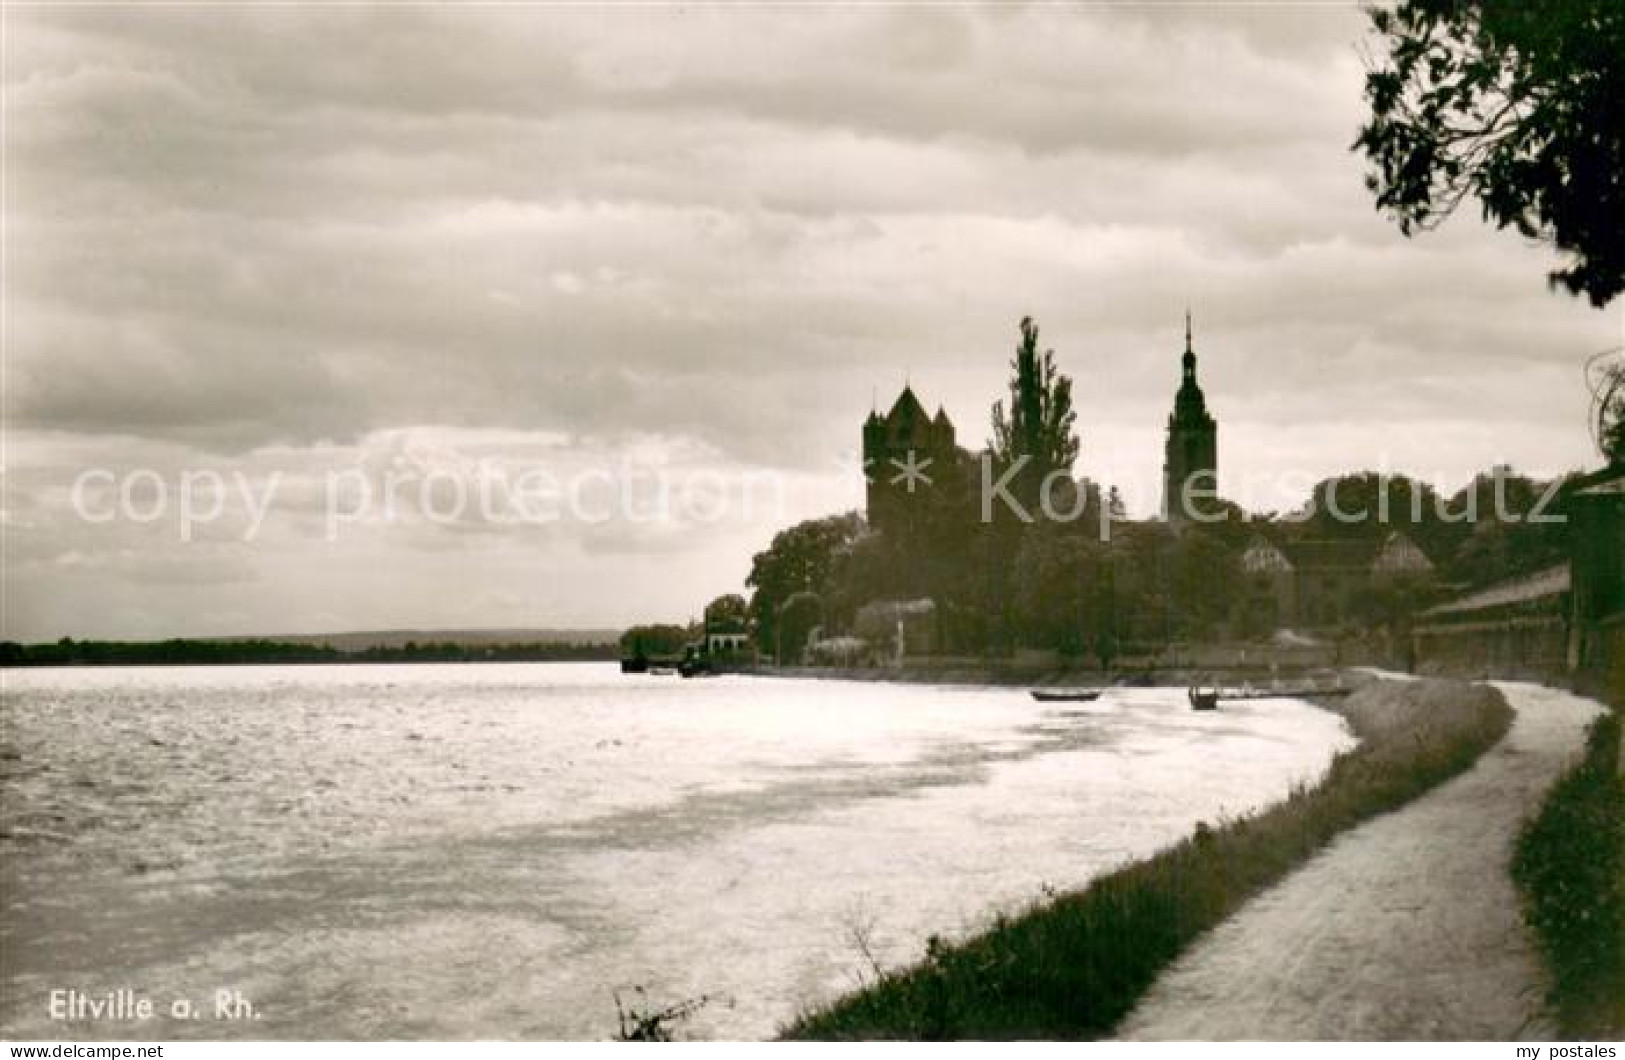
[1408,927]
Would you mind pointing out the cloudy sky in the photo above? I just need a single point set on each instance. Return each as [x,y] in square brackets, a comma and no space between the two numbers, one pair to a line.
[269,269]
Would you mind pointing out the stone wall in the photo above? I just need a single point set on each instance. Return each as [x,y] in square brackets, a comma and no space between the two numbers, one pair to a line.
[1526,647]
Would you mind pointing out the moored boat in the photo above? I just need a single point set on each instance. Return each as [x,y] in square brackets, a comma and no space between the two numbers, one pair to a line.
[696,666]
[1066,695]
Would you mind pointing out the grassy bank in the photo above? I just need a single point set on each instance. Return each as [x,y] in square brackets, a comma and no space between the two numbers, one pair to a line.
[1570,865]
[1073,966]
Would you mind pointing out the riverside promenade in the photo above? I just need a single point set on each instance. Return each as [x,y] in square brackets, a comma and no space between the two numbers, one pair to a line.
[1407,927]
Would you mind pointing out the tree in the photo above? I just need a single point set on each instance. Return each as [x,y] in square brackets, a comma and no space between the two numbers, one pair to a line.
[1606,373]
[1055,589]
[796,620]
[1612,420]
[1038,424]
[1140,557]
[1369,505]
[1514,528]
[1203,571]
[1116,510]
[874,568]
[727,612]
[1520,105]
[800,559]
[657,639]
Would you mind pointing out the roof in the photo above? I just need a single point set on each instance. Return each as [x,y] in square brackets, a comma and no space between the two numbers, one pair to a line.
[1615,488]
[1264,555]
[1602,482]
[1550,582]
[1395,552]
[1400,553]
[906,405]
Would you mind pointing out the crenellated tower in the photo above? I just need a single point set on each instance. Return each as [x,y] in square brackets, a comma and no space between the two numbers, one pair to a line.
[906,437]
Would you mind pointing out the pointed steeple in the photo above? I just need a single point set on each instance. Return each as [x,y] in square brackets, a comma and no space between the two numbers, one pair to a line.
[1189,359]
[1191,453]
[1190,406]
[907,406]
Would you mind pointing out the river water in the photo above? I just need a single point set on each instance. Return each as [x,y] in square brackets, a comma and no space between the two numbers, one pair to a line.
[493,851]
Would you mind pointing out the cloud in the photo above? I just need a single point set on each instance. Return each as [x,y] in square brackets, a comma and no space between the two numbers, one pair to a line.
[307,239]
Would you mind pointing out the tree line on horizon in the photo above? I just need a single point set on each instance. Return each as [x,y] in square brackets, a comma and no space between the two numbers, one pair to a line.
[202,652]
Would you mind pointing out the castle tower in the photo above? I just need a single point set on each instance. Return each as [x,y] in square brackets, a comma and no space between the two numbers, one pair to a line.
[905,437]
[1191,455]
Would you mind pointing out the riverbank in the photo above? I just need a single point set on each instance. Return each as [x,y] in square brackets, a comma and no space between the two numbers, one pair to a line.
[1037,675]
[1075,965]
[1409,927]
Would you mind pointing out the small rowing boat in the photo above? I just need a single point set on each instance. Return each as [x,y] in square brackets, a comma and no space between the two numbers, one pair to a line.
[1203,699]
[1066,695]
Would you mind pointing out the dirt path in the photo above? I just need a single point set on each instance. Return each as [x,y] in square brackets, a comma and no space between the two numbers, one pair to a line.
[1405,928]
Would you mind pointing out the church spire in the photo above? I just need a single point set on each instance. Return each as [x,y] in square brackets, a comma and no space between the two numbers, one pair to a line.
[1189,358]
[1191,454]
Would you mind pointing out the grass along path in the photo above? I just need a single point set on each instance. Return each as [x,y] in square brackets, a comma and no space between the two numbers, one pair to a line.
[1570,867]
[1409,927]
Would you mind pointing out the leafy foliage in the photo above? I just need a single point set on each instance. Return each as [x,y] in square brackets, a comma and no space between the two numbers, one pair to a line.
[796,620]
[1610,410]
[1059,586]
[1039,422]
[1570,864]
[657,639]
[800,559]
[1519,105]
[727,611]
[1507,536]
[1056,581]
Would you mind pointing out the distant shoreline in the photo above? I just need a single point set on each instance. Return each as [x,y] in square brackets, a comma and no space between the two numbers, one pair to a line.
[254,652]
